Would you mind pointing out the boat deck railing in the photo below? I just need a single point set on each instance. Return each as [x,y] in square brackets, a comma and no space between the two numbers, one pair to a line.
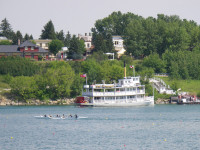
[117,93]
[119,101]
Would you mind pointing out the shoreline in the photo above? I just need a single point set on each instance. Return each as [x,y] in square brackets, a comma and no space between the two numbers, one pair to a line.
[68,101]
[8,102]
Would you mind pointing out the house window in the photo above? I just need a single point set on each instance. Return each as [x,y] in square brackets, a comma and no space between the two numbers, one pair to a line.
[32,48]
[32,55]
[46,44]
[26,48]
[40,44]
[116,43]
[88,45]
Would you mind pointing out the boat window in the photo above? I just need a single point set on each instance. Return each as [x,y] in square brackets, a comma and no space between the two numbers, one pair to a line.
[122,90]
[133,96]
[98,98]
[109,98]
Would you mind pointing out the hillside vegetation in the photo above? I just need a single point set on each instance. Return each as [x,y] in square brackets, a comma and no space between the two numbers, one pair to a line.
[192,86]
[166,44]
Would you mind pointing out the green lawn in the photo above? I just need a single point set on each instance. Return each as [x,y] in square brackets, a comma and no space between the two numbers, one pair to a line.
[192,86]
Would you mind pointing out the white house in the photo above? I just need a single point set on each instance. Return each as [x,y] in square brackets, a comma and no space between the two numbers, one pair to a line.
[87,41]
[44,43]
[118,45]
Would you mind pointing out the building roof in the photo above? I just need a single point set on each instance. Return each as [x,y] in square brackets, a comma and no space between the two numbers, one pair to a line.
[9,48]
[15,48]
[42,40]
[27,43]
[117,37]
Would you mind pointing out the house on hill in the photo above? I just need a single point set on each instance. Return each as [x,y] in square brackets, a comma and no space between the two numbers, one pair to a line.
[43,43]
[27,49]
[88,42]
[118,45]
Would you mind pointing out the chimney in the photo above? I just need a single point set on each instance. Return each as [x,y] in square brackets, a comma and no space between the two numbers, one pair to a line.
[85,34]
[19,42]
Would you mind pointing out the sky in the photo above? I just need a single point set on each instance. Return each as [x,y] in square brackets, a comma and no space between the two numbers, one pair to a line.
[79,16]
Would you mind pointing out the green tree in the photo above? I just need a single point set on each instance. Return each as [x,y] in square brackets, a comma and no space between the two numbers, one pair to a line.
[60,36]
[26,37]
[31,37]
[67,39]
[55,46]
[6,29]
[135,42]
[77,86]
[56,81]
[76,48]
[18,36]
[48,32]
[155,62]
[23,88]
[99,42]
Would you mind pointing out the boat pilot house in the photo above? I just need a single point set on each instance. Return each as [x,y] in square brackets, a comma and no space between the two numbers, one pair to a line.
[26,49]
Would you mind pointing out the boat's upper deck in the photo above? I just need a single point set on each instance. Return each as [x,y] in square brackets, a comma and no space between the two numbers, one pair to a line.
[126,82]
[129,81]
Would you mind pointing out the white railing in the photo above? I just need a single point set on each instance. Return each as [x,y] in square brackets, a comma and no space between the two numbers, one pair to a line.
[119,100]
[113,93]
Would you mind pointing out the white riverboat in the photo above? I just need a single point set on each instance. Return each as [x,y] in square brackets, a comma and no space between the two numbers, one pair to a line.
[127,92]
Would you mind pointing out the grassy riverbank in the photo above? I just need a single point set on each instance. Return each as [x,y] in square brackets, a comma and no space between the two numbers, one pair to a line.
[192,86]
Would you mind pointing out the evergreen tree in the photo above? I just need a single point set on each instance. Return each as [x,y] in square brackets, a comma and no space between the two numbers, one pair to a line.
[26,37]
[16,37]
[76,48]
[67,39]
[6,29]
[60,36]
[48,32]
[31,37]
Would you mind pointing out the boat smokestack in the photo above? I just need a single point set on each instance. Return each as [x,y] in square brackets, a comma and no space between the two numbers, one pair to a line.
[124,69]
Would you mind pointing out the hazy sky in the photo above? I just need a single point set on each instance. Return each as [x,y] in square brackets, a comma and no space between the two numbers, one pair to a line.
[79,16]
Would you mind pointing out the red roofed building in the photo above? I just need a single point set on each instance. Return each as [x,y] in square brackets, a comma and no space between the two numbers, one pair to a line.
[27,49]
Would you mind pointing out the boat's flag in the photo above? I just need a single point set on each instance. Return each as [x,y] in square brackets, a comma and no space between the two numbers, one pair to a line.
[132,66]
[83,75]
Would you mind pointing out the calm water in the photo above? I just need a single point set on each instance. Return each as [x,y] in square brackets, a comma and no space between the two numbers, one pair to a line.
[130,128]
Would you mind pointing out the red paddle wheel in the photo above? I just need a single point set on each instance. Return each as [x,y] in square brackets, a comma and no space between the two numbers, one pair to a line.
[81,100]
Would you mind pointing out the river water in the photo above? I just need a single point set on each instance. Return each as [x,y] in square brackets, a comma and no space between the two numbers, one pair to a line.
[131,128]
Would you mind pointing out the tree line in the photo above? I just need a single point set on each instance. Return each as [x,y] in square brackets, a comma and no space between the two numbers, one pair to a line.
[166,44]
[144,36]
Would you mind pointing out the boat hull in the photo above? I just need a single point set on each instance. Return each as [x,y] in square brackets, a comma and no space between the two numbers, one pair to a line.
[118,104]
